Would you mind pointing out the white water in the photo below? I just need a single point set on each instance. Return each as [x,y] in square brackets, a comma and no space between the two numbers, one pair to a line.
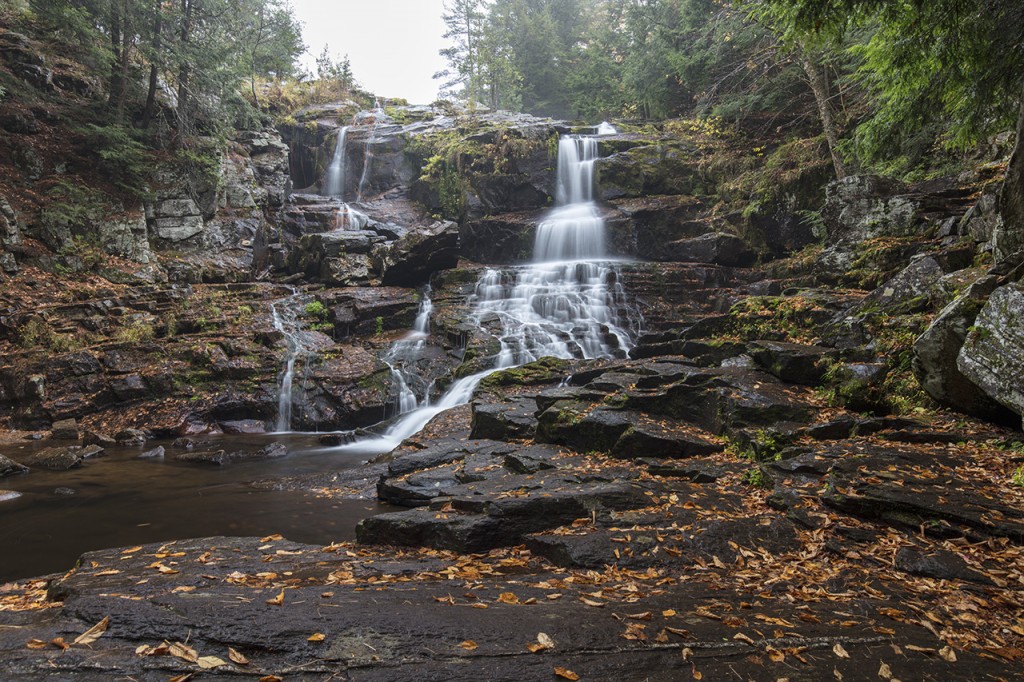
[288,326]
[334,181]
[401,359]
[565,305]
[606,128]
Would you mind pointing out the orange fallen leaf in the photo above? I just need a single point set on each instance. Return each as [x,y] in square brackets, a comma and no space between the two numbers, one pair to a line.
[93,633]
[508,598]
[36,644]
[565,673]
[60,643]
[839,651]
[237,657]
[278,600]
[469,645]
[316,637]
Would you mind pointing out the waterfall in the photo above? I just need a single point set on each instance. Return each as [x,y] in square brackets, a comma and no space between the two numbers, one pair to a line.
[401,359]
[334,182]
[286,323]
[606,128]
[566,304]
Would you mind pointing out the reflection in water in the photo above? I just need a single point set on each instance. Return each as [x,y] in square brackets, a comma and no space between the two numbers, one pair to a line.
[119,500]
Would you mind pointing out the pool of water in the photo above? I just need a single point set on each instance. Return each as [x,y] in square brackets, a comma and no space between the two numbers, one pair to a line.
[120,500]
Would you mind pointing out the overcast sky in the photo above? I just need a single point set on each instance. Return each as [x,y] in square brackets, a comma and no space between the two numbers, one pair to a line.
[392,44]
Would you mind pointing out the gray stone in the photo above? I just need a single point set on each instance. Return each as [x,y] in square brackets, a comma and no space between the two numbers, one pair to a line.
[717,248]
[992,356]
[55,459]
[795,363]
[126,237]
[8,467]
[65,429]
[155,453]
[861,207]
[937,349]
[178,229]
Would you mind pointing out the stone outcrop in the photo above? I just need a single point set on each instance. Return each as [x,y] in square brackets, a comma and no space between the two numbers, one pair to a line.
[992,356]
[937,349]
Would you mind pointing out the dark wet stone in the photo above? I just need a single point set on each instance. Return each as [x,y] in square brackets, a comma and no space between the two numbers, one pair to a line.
[93,438]
[523,463]
[65,429]
[658,440]
[55,459]
[217,457]
[940,564]
[130,437]
[64,491]
[90,451]
[693,470]
[583,427]
[792,362]
[8,467]
[243,426]
[512,419]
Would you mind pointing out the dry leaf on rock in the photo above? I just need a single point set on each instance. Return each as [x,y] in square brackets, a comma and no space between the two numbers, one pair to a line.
[566,674]
[93,633]
[237,657]
[469,645]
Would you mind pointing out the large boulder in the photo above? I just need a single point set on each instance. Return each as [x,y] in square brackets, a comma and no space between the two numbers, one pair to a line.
[10,236]
[648,170]
[992,356]
[861,207]
[717,248]
[937,349]
[413,258]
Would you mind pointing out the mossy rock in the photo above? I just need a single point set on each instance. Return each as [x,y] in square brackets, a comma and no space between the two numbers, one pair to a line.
[547,370]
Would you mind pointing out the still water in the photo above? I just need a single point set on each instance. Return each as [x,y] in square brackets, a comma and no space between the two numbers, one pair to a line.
[120,500]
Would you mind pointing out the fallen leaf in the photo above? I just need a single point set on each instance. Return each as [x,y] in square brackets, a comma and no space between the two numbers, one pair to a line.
[131,550]
[646,615]
[508,598]
[237,657]
[184,652]
[839,651]
[210,662]
[278,600]
[590,602]
[739,636]
[109,571]
[272,538]
[687,653]
[271,678]
[885,672]
[469,645]
[947,654]
[775,655]
[93,633]
[60,643]
[182,678]
[668,613]
[543,643]
[36,644]
[316,637]
[565,673]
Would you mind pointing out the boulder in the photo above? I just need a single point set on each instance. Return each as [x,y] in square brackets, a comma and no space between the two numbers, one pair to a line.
[794,363]
[506,238]
[130,437]
[8,467]
[657,169]
[65,429]
[413,258]
[661,440]
[992,356]
[937,349]
[717,248]
[54,459]
[861,207]
[126,236]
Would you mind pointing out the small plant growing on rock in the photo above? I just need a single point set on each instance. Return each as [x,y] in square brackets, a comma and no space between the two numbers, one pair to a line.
[1018,476]
[756,478]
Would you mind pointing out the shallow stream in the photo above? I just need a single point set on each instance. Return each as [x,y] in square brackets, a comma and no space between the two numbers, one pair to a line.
[119,500]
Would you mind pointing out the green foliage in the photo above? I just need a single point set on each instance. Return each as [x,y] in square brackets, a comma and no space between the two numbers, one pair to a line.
[756,478]
[123,158]
[315,310]
[1017,478]
[136,332]
[378,325]
[36,334]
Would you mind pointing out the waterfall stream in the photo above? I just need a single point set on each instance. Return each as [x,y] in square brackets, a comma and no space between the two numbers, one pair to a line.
[567,304]
[285,320]
[334,181]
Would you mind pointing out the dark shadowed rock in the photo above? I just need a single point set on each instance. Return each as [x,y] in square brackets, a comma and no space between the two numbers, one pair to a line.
[717,248]
[507,420]
[795,363]
[130,437]
[658,439]
[8,467]
[941,564]
[65,429]
[412,259]
[55,459]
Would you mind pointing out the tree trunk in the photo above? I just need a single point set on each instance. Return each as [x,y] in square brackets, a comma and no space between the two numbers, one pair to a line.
[185,74]
[127,38]
[154,71]
[116,82]
[1009,239]
[818,80]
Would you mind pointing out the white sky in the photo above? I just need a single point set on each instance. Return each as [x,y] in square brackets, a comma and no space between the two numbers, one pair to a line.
[392,44]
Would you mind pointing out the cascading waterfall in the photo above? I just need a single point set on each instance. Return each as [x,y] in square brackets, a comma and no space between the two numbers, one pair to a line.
[606,128]
[403,354]
[284,319]
[334,181]
[378,115]
[567,304]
